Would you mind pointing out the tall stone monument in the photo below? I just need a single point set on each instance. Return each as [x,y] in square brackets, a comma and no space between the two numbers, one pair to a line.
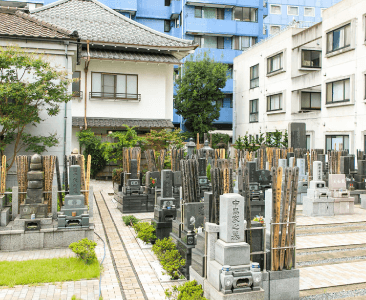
[297,135]
[34,206]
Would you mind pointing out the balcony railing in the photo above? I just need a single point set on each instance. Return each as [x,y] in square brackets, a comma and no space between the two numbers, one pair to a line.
[115,96]
[253,117]
[77,94]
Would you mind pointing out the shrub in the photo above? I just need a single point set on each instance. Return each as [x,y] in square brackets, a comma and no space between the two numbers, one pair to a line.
[188,291]
[208,172]
[84,249]
[145,231]
[169,256]
[130,220]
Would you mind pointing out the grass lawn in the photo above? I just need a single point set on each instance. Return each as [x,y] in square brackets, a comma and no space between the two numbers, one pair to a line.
[46,270]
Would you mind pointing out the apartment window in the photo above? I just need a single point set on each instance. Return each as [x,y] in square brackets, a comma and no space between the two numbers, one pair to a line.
[242,42]
[333,142]
[166,25]
[209,12]
[230,97]
[275,9]
[338,91]
[253,111]
[339,38]
[308,142]
[292,10]
[213,42]
[167,2]
[309,12]
[220,103]
[274,29]
[245,14]
[229,72]
[274,102]
[311,58]
[122,86]
[254,76]
[310,100]
[76,84]
[275,63]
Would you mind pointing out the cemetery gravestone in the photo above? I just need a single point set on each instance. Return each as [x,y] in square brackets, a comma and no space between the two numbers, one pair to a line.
[297,135]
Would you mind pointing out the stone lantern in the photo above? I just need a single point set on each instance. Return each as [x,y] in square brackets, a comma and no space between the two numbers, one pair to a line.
[190,147]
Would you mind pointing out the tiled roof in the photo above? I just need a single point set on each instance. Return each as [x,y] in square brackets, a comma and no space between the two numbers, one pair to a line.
[16,23]
[114,122]
[99,24]
[132,56]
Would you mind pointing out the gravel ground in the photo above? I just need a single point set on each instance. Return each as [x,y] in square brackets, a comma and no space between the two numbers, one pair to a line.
[337,295]
[328,251]
[328,261]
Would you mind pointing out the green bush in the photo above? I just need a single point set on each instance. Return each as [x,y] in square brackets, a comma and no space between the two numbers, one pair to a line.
[130,220]
[188,291]
[169,256]
[84,249]
[208,172]
[145,231]
[116,175]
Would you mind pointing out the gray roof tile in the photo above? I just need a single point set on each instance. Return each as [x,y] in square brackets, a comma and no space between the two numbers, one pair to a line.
[132,56]
[98,23]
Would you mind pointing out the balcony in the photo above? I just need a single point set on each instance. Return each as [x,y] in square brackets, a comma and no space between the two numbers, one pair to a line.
[114,96]
[226,115]
[220,27]
[221,55]
[224,3]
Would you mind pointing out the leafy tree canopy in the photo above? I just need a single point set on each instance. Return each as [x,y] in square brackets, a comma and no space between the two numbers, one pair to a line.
[199,92]
[28,85]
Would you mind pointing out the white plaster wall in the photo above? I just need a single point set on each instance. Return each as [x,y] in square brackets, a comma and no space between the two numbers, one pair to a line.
[54,52]
[342,119]
[155,84]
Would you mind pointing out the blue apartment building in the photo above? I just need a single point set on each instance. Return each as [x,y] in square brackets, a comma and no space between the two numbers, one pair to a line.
[282,12]
[223,27]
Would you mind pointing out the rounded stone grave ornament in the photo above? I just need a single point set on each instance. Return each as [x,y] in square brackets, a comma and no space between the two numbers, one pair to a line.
[192,220]
[75,151]
[35,166]
[36,159]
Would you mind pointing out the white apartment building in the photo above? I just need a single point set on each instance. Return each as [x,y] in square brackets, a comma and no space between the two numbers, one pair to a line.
[315,75]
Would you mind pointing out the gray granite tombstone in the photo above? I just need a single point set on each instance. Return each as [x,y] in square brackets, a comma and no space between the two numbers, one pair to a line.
[166,184]
[252,167]
[297,135]
[194,213]
[133,169]
[264,177]
[232,218]
[345,165]
[177,176]
[208,202]
[361,170]
[201,167]
[317,171]
[74,180]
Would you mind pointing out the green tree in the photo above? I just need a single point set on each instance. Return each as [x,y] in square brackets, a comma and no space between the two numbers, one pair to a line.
[162,139]
[92,145]
[28,86]
[113,151]
[199,92]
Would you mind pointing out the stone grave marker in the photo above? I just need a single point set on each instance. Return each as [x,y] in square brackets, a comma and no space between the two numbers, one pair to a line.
[302,166]
[133,169]
[297,135]
[194,214]
[201,167]
[232,218]
[75,180]
[252,167]
[166,184]
[337,182]
[317,171]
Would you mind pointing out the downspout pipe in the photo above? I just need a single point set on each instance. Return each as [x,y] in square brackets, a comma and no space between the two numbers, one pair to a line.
[86,84]
[66,43]
[234,108]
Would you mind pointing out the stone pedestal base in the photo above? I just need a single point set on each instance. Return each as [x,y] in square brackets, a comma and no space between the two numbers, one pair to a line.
[39,210]
[344,206]
[163,229]
[13,239]
[211,293]
[5,216]
[318,207]
[185,251]
[281,285]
